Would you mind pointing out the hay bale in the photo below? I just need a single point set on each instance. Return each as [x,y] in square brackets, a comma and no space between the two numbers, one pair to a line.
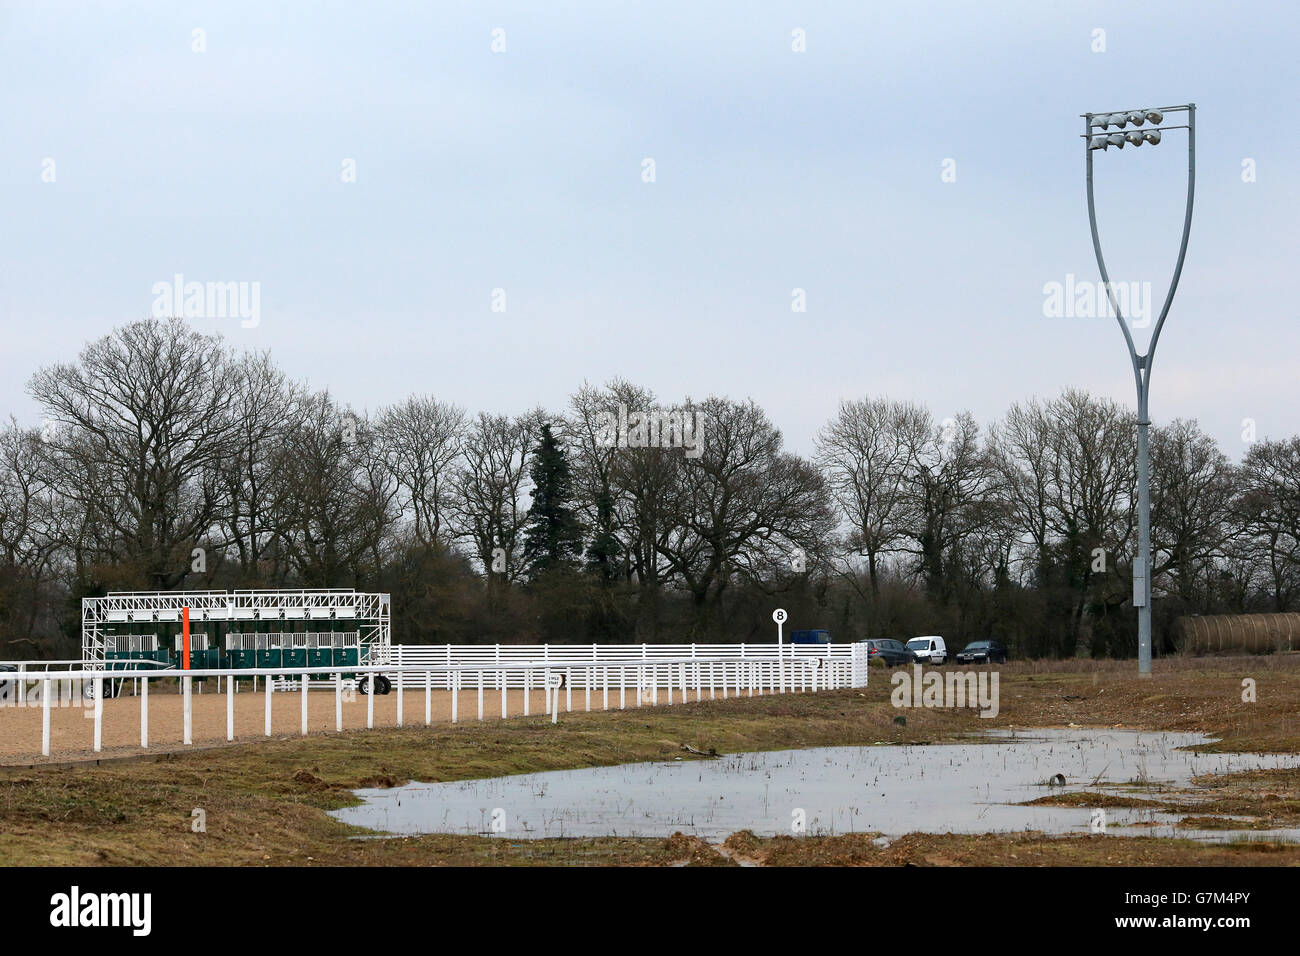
[1238,633]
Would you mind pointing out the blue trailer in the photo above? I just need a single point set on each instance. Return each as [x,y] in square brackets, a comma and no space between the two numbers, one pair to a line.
[815,636]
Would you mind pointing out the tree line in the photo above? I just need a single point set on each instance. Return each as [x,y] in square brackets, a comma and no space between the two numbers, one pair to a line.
[168,460]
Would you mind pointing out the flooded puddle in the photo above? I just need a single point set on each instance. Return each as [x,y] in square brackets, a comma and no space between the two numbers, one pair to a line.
[939,788]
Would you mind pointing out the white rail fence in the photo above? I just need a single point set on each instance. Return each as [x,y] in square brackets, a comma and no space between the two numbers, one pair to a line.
[833,661]
[646,677]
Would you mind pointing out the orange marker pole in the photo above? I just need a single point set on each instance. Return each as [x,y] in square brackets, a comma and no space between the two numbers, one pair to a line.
[185,637]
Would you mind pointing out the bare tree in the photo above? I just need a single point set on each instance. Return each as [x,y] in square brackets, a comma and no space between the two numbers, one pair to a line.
[950,488]
[489,507]
[421,441]
[741,504]
[1068,470]
[1021,447]
[268,410]
[338,500]
[1269,508]
[600,469]
[868,452]
[1192,491]
[148,414]
[29,537]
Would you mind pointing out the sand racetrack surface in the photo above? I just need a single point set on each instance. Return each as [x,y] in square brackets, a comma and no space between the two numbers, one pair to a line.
[72,727]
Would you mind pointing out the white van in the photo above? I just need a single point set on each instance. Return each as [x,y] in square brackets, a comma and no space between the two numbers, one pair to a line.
[931,649]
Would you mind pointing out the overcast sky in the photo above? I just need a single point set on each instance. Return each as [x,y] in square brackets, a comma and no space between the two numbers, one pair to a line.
[774,170]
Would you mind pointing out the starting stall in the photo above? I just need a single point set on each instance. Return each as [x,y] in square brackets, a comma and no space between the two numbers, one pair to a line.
[237,629]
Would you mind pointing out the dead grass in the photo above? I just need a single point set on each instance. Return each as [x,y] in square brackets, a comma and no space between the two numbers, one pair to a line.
[1091,800]
[265,801]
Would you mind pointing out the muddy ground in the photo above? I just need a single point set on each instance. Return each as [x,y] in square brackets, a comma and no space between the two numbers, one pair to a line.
[264,801]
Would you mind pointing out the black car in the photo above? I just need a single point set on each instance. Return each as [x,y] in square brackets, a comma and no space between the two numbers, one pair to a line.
[983,652]
[7,690]
[892,653]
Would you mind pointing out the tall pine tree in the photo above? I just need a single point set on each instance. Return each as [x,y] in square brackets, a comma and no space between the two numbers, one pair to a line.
[552,533]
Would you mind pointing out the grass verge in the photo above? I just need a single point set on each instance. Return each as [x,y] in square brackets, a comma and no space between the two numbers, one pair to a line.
[265,802]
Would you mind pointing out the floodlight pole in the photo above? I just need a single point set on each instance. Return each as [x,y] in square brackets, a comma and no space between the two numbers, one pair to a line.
[1142,565]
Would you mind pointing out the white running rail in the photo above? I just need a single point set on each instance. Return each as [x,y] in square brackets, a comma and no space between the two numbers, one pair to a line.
[648,677]
[834,661]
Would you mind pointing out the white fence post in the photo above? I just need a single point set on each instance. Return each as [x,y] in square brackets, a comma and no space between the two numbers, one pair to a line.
[338,700]
[187,692]
[45,717]
[371,679]
[99,713]
[230,708]
[858,669]
[144,714]
[269,684]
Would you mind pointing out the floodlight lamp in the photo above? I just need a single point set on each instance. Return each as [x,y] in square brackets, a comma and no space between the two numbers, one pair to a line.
[1152,136]
[1116,139]
[1154,116]
[1134,137]
[1097,142]
[1117,119]
[1101,119]
[1137,118]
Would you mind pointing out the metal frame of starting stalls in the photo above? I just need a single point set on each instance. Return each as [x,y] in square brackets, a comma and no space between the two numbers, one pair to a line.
[367,613]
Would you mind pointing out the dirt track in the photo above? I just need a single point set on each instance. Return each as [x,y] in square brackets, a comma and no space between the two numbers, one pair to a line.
[72,728]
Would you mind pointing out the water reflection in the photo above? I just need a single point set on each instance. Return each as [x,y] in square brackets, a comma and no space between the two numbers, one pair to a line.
[939,788]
